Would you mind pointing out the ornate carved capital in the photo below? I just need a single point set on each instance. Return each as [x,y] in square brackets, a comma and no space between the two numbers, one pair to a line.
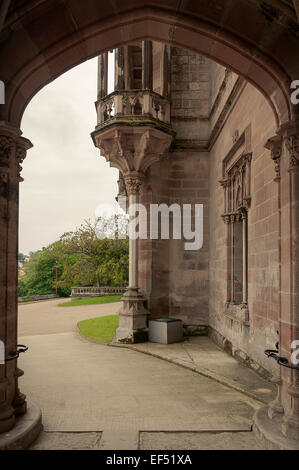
[6,148]
[292,145]
[289,131]
[133,183]
[13,150]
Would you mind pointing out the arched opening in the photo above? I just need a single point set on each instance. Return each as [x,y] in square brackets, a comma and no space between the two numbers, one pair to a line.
[182,87]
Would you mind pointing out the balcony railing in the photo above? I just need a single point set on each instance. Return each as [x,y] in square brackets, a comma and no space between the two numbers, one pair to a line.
[96,291]
[125,104]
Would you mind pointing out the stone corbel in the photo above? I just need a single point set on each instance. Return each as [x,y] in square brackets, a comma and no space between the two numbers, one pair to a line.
[274,144]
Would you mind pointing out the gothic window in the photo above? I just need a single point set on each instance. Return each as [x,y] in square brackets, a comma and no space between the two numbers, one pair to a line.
[236,185]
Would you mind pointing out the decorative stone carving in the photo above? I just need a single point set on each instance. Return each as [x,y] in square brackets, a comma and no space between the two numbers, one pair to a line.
[133,184]
[6,147]
[292,145]
[236,185]
[20,157]
[130,151]
[235,182]
[289,132]
[274,144]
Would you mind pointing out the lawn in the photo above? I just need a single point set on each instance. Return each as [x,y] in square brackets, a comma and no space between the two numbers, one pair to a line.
[100,329]
[93,300]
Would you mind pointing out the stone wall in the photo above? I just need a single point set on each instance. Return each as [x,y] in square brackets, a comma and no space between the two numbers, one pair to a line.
[213,110]
[250,111]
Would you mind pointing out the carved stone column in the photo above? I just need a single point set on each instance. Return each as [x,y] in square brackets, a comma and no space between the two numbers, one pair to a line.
[13,149]
[274,144]
[132,150]
[290,267]
[133,314]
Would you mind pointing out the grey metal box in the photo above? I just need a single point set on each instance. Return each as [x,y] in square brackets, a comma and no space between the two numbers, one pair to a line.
[165,330]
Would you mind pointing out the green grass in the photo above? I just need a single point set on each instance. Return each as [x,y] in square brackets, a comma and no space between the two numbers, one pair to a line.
[100,329]
[91,301]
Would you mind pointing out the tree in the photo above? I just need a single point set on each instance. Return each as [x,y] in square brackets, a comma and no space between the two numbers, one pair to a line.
[85,257]
[102,248]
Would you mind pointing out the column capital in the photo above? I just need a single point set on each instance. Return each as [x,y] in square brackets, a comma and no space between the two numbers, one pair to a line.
[13,148]
[133,181]
[289,131]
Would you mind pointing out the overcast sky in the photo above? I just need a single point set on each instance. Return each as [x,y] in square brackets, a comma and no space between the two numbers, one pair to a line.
[65,179]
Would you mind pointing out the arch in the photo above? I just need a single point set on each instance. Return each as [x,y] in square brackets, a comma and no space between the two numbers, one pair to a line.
[218,33]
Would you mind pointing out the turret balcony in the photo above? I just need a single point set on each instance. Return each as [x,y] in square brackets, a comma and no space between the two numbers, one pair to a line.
[133,107]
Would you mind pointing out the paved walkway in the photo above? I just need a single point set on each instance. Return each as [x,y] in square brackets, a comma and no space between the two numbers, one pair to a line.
[45,317]
[96,396]
[200,354]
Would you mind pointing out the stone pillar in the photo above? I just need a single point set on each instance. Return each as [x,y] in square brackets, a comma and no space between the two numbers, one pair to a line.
[133,314]
[147,65]
[102,75]
[119,73]
[290,274]
[244,229]
[274,144]
[13,149]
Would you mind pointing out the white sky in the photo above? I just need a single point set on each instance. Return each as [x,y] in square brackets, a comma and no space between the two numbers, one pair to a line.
[65,179]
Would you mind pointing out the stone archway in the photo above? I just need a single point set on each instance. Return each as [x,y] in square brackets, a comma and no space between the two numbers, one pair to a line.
[42,40]
[51,38]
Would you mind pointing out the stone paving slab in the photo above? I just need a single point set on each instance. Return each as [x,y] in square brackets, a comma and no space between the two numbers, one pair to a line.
[199,441]
[67,441]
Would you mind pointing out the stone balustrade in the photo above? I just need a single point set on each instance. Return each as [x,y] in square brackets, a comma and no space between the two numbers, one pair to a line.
[142,104]
[96,291]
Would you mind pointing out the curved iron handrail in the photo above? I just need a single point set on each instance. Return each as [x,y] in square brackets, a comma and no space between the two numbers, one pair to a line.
[14,355]
[282,361]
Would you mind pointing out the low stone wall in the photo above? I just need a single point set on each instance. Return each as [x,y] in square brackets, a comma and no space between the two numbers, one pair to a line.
[96,291]
[37,297]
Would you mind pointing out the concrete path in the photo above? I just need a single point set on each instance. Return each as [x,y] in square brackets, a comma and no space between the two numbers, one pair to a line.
[116,398]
